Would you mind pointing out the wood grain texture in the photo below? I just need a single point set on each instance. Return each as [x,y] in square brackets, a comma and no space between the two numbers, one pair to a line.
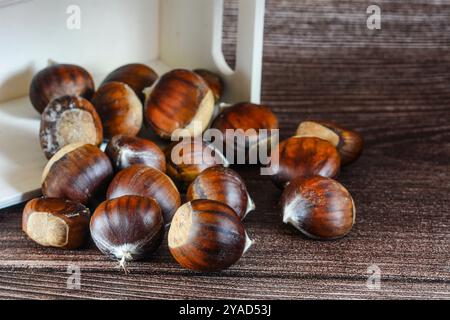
[320,62]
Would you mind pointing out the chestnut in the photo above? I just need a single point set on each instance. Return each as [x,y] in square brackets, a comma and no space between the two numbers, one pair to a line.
[224,185]
[60,80]
[303,157]
[349,143]
[119,108]
[319,207]
[78,172]
[214,82]
[250,118]
[68,120]
[136,75]
[144,181]
[125,151]
[187,158]
[207,235]
[56,223]
[180,100]
[127,228]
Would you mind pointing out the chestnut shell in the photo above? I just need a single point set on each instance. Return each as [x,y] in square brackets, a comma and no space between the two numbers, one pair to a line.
[119,108]
[128,228]
[137,76]
[60,80]
[56,222]
[148,182]
[319,207]
[349,143]
[68,120]
[224,185]
[190,158]
[206,235]
[125,151]
[214,81]
[176,100]
[304,157]
[80,174]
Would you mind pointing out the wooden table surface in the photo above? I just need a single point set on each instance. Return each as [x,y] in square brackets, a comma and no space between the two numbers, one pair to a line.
[320,61]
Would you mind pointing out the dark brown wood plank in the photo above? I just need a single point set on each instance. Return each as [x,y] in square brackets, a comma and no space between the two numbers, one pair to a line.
[320,61]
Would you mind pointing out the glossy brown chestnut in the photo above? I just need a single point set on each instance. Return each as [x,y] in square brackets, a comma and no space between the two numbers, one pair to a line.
[68,120]
[119,108]
[304,157]
[127,228]
[137,76]
[56,223]
[78,172]
[320,208]
[207,235]
[250,118]
[214,82]
[57,81]
[187,158]
[148,182]
[125,151]
[223,185]
[349,143]
[180,100]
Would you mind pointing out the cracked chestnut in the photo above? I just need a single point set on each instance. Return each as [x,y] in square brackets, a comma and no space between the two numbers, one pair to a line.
[68,120]
[303,157]
[180,102]
[224,185]
[207,235]
[128,228]
[56,223]
[320,208]
[57,81]
[125,151]
[144,181]
[77,172]
[348,142]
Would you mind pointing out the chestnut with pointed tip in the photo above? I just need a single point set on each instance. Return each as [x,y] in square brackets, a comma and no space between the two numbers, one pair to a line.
[78,172]
[303,157]
[57,81]
[224,185]
[56,223]
[136,75]
[68,120]
[125,151]
[320,208]
[189,157]
[128,228]
[207,235]
[250,119]
[180,100]
[144,181]
[349,143]
[214,82]
[119,108]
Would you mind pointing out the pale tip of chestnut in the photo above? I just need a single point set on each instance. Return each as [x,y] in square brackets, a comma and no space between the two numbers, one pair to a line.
[248,243]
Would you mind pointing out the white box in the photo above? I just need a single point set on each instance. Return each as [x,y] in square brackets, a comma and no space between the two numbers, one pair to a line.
[164,34]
